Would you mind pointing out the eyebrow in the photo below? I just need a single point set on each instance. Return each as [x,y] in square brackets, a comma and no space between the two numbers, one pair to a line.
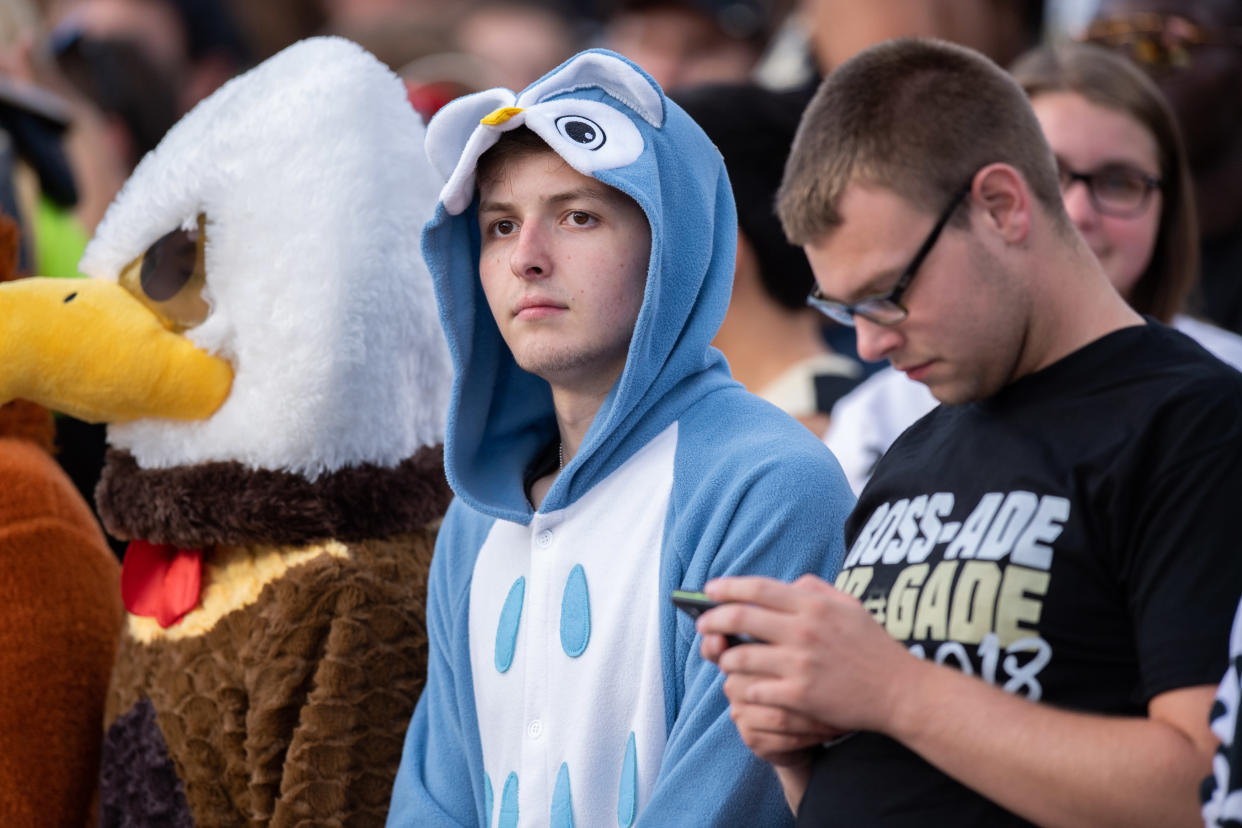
[872,286]
[577,194]
[587,193]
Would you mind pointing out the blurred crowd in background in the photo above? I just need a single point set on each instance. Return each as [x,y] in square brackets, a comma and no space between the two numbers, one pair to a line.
[122,71]
[87,87]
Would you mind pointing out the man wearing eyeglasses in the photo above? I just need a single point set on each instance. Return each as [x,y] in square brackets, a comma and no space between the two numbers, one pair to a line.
[1041,574]
[1193,50]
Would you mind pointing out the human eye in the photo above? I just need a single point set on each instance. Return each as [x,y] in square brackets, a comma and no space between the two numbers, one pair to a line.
[1120,183]
[880,309]
[580,218]
[501,228]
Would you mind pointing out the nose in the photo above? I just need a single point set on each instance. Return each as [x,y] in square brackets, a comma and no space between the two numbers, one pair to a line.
[529,258]
[875,341]
[1078,205]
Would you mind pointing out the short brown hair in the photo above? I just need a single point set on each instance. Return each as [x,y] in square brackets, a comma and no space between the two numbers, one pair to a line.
[1111,81]
[918,117]
[514,144]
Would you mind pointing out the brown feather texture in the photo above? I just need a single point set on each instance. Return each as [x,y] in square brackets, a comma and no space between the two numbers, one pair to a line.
[290,711]
[283,697]
[228,503]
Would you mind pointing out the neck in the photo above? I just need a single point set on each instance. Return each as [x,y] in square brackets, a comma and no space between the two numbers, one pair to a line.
[575,411]
[575,407]
[227,503]
[1074,305]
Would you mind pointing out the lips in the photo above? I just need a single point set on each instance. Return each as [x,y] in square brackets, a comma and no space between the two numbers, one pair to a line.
[918,371]
[537,307]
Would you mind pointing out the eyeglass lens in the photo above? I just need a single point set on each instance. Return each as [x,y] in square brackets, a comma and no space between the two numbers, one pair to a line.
[1116,189]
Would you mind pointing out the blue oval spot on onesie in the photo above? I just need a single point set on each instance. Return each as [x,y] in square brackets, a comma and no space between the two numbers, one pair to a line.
[507,629]
[627,800]
[487,799]
[575,614]
[508,804]
[562,805]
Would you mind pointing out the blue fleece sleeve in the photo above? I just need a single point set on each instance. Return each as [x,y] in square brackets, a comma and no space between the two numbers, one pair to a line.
[440,779]
[776,510]
[708,777]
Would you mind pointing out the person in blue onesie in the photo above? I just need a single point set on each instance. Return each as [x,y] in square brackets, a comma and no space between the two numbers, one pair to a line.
[601,456]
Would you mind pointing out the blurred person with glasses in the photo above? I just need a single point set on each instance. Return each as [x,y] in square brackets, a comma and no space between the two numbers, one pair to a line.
[1125,180]
[1032,615]
[1193,50]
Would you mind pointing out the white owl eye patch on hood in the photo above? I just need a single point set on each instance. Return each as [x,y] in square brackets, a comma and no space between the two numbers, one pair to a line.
[589,135]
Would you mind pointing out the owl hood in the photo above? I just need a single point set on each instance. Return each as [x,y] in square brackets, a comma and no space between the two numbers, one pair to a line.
[607,119]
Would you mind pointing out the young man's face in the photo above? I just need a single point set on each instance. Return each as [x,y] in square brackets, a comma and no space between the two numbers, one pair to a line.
[964,333]
[563,264]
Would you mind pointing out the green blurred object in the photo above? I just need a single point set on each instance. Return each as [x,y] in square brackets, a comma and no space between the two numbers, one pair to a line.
[59,241]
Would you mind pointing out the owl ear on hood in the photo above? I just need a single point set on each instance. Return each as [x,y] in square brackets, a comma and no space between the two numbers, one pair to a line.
[617,77]
[456,126]
[589,135]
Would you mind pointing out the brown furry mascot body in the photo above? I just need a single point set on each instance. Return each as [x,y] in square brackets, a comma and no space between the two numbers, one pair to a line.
[261,705]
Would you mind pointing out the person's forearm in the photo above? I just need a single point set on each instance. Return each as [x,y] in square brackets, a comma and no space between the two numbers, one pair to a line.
[1053,767]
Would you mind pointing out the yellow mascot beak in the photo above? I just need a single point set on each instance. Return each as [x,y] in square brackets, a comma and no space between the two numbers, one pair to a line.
[89,348]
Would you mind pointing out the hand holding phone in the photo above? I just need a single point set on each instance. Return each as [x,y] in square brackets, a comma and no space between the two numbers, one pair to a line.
[695,604]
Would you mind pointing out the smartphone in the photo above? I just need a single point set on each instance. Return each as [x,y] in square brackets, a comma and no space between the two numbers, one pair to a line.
[695,604]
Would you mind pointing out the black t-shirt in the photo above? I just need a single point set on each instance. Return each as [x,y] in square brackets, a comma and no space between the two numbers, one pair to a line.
[1069,539]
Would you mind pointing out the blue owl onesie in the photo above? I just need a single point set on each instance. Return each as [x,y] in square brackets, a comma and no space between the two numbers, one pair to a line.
[563,687]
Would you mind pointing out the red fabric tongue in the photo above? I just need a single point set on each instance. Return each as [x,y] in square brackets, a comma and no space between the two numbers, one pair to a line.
[161,581]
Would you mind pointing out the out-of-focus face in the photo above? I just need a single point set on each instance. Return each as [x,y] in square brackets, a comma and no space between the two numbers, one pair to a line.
[563,264]
[966,324]
[840,29]
[491,32]
[152,25]
[680,47]
[1089,138]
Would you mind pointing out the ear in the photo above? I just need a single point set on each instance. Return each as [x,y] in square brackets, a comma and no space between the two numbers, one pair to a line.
[609,71]
[1006,200]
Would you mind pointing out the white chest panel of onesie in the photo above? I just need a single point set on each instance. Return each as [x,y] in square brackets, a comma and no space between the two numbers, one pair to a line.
[565,653]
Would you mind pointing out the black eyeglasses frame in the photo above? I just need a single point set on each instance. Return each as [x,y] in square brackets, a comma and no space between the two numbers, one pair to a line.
[891,311]
[1150,183]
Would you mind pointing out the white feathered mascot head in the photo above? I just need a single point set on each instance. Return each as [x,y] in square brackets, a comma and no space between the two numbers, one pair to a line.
[275,310]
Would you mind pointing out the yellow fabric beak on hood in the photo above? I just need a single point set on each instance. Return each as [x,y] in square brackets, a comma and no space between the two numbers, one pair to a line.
[89,348]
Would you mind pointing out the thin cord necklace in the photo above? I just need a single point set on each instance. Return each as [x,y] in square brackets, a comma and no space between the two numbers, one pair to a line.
[560,455]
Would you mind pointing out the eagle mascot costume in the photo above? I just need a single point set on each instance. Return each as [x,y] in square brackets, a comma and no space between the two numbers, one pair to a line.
[261,334]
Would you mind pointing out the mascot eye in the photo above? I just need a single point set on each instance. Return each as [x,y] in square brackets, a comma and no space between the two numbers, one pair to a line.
[169,264]
[169,277]
[581,130]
